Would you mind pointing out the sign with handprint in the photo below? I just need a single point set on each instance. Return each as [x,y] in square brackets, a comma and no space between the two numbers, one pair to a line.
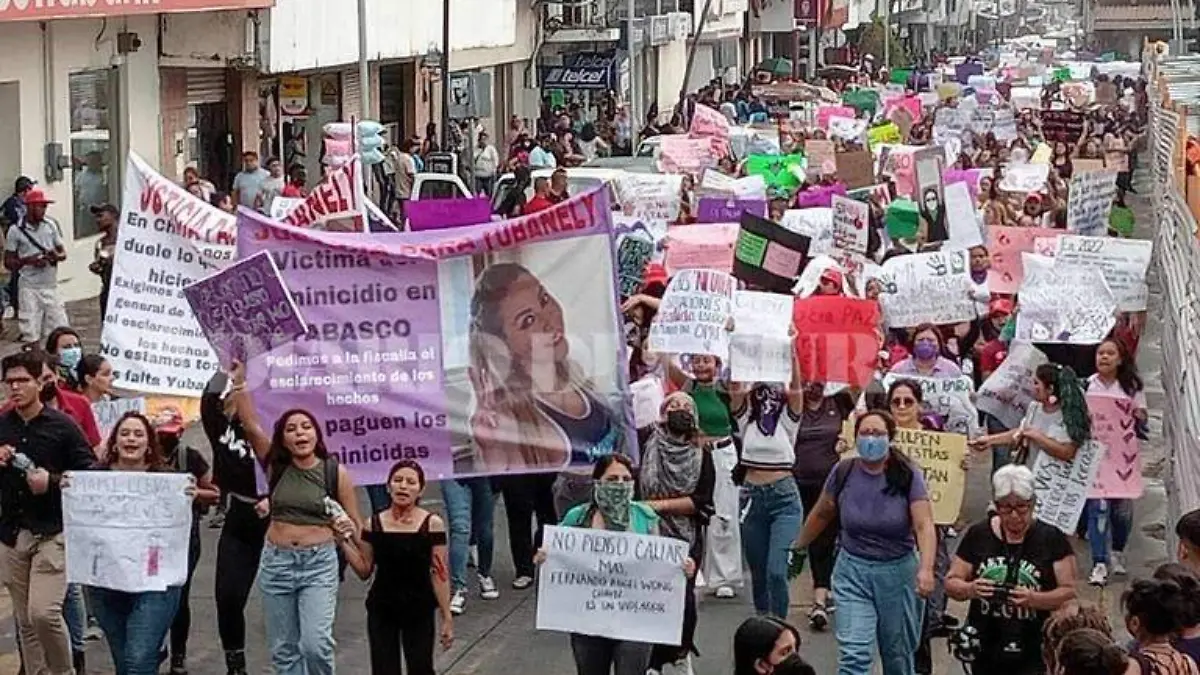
[1006,244]
[927,288]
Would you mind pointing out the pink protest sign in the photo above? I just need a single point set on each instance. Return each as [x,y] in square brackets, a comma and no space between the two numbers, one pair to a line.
[1120,473]
[440,214]
[708,123]
[680,154]
[969,176]
[1006,244]
[819,197]
[903,170]
[827,112]
[909,103]
[708,246]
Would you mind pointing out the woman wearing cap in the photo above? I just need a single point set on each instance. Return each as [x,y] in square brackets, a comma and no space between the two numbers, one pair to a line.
[168,427]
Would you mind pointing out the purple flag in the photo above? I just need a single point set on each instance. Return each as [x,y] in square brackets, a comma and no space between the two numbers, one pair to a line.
[719,210]
[439,214]
[244,309]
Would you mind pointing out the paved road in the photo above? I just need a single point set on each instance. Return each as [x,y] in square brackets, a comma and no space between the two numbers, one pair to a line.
[497,637]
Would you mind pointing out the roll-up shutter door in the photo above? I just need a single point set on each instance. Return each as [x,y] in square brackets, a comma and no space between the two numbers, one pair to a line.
[205,85]
[351,96]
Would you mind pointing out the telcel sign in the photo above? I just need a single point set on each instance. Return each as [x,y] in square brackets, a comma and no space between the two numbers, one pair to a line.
[587,70]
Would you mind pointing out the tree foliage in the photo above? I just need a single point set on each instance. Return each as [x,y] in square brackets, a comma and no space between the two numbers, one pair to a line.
[871,41]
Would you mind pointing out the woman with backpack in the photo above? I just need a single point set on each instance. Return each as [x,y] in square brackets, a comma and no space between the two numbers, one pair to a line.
[310,495]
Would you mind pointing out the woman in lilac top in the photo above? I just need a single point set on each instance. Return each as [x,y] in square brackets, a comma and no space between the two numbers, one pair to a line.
[882,508]
[927,359]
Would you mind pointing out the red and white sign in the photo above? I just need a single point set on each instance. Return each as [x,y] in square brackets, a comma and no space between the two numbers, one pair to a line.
[40,10]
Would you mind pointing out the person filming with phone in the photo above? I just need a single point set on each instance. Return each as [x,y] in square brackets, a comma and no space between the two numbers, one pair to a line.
[34,248]
[1015,571]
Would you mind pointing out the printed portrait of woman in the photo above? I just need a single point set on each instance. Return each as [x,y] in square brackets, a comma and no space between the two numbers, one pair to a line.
[534,408]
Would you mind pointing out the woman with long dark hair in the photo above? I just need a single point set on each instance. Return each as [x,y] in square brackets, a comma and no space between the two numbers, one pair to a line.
[1056,423]
[766,645]
[1154,610]
[95,377]
[881,504]
[298,574]
[1109,520]
[405,547]
[1087,651]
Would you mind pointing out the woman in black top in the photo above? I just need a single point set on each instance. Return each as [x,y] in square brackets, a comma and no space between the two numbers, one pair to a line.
[407,545]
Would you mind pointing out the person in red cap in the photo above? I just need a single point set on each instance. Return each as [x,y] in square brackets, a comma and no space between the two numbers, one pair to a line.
[34,248]
[830,282]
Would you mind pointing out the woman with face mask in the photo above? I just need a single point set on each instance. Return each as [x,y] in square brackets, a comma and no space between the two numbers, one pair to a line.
[887,539]
[613,508]
[817,450]
[926,359]
[676,481]
[765,645]
[1014,570]
[64,347]
[768,417]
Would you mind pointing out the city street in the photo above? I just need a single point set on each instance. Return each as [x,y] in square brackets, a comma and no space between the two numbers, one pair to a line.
[498,637]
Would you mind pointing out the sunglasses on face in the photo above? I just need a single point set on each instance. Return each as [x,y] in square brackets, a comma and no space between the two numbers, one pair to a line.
[903,402]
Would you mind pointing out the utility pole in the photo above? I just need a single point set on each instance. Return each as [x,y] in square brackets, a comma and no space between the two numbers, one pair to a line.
[687,70]
[445,75]
[635,121]
[887,35]
[364,73]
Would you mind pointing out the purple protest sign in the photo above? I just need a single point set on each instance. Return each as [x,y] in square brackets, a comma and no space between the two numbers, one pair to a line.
[820,196]
[438,214]
[244,309]
[410,350]
[718,210]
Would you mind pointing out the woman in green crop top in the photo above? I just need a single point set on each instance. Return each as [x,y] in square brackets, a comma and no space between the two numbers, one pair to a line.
[311,499]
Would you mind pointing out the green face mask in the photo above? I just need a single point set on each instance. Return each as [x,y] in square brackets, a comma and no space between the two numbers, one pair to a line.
[612,501]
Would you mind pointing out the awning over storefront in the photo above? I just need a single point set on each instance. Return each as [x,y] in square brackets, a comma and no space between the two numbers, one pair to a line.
[41,10]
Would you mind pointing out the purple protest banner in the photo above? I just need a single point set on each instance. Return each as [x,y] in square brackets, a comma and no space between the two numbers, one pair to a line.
[820,196]
[426,346]
[438,214]
[244,309]
[718,210]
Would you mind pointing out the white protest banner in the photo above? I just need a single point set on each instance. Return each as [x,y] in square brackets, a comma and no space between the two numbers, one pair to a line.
[1025,178]
[617,585]
[647,400]
[335,204]
[650,197]
[847,129]
[108,412]
[717,184]
[948,397]
[962,218]
[1004,125]
[693,314]
[760,349]
[167,239]
[127,530]
[1068,305]
[816,224]
[1062,487]
[1007,392]
[683,155]
[927,288]
[851,224]
[1091,198]
[1123,262]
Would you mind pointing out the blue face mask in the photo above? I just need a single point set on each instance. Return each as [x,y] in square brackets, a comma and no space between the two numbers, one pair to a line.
[872,448]
[70,356]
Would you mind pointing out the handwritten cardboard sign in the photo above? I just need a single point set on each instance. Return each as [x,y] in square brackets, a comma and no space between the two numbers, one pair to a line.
[855,169]
[708,123]
[708,246]
[837,339]
[1025,178]
[717,210]
[927,288]
[109,412]
[1120,472]
[1091,198]
[1062,487]
[682,155]
[245,310]
[633,254]
[760,349]
[650,197]
[1065,305]
[940,457]
[951,398]
[1008,391]
[851,224]
[963,223]
[1005,245]
[767,255]
[1123,262]
[693,314]
[827,112]
[821,161]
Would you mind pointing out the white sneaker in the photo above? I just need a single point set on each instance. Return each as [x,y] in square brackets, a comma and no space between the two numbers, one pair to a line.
[521,583]
[1118,563]
[1099,575]
[726,592]
[487,588]
[458,603]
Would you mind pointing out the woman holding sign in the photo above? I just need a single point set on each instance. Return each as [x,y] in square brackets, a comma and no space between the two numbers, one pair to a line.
[1056,423]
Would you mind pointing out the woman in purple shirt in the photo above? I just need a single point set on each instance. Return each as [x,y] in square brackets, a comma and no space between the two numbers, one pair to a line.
[927,359]
[884,516]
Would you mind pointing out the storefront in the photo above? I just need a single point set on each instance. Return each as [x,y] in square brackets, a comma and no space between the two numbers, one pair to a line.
[293,110]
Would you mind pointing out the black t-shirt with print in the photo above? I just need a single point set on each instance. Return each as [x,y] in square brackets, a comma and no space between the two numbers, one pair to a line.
[233,458]
[1000,623]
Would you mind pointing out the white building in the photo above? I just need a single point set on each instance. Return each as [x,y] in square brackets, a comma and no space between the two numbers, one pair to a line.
[196,82]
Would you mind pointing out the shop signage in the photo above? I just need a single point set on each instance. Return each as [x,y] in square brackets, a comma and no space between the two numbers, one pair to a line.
[586,70]
[806,11]
[293,95]
[41,10]
[660,30]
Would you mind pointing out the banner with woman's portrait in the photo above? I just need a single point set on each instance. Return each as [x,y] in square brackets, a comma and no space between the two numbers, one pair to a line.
[487,349]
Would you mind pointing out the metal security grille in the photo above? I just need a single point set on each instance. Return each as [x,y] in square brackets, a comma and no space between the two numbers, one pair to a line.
[205,85]
[351,95]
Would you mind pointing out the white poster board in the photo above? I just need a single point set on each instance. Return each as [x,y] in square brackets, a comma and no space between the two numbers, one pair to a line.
[1090,200]
[760,349]
[693,314]
[126,530]
[1007,393]
[650,197]
[1123,262]
[617,585]
[949,397]
[1069,305]
[927,288]
[108,412]
[1062,487]
[1025,178]
[851,224]
[962,218]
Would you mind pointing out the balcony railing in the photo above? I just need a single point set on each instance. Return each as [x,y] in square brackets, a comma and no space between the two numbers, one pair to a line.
[583,14]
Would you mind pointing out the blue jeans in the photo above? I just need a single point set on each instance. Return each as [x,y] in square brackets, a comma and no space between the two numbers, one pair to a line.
[877,604]
[75,614]
[1001,454]
[771,520]
[1108,521]
[470,506]
[299,588]
[135,625]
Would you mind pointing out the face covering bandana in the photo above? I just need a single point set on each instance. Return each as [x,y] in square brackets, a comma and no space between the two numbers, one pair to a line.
[681,422]
[872,448]
[70,356]
[791,665]
[612,501]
